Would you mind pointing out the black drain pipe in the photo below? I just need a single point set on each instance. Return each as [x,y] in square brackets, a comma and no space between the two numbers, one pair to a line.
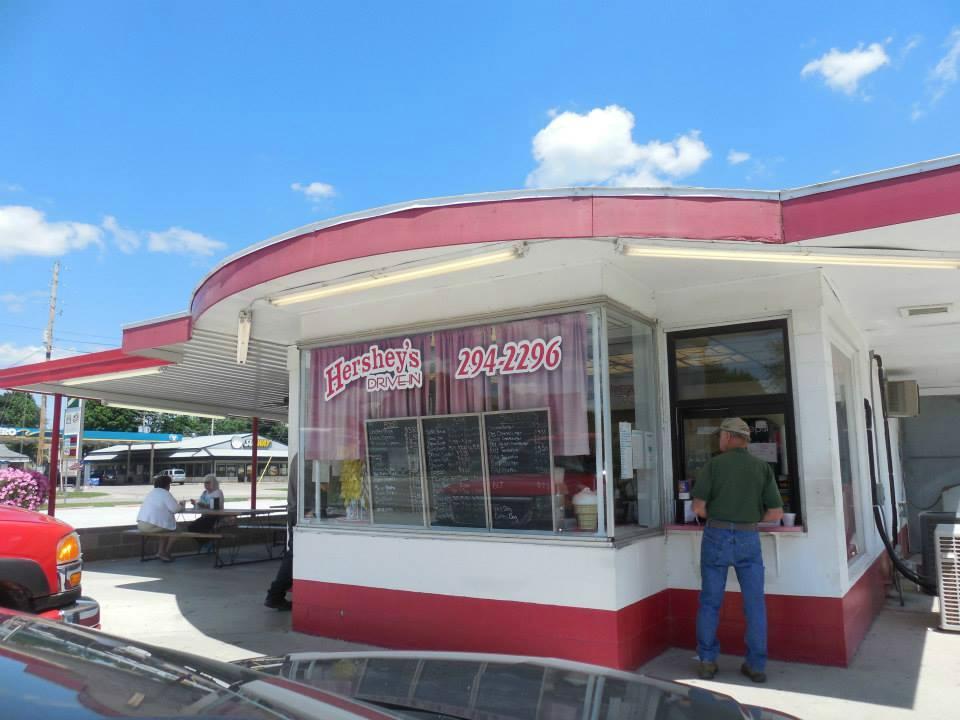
[878,511]
[882,380]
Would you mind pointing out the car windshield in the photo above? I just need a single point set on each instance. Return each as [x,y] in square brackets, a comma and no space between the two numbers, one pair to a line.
[481,689]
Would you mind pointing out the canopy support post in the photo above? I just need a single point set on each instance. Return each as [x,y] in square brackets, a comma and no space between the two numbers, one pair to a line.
[54,478]
[255,430]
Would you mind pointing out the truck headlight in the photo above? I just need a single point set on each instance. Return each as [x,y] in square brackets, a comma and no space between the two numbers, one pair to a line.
[68,549]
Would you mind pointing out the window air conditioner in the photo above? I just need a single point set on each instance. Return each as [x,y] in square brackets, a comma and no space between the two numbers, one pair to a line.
[948,569]
[903,398]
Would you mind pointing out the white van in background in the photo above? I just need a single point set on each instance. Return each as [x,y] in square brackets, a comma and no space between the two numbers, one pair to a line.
[175,475]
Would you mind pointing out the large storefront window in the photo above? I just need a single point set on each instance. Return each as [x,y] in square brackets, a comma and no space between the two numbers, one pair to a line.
[846,447]
[741,371]
[633,423]
[483,428]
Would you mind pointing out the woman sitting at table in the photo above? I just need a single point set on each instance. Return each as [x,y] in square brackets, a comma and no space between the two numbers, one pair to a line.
[210,499]
[158,515]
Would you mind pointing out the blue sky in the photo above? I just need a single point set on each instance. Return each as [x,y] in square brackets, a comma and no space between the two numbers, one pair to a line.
[143,142]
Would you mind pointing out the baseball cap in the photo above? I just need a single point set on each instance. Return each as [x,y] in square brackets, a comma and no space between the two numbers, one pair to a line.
[735,425]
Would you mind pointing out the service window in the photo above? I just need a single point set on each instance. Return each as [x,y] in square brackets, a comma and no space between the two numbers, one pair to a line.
[486,428]
[732,371]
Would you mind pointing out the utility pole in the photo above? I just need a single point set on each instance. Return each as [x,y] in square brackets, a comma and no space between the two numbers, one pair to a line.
[48,346]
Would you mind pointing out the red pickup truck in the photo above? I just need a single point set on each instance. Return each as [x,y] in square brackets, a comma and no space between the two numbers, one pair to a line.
[41,567]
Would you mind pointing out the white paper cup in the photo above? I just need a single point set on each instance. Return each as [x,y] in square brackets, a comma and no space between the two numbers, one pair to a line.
[789,519]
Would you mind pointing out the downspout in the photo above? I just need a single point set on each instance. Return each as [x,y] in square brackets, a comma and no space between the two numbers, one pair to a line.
[878,511]
[895,520]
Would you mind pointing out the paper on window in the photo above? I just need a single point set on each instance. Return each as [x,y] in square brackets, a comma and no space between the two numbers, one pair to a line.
[765,451]
[626,450]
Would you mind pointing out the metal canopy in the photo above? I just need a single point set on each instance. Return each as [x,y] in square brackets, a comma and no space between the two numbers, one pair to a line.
[202,377]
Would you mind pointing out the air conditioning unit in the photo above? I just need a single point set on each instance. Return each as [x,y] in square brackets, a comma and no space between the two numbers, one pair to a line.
[903,398]
[948,569]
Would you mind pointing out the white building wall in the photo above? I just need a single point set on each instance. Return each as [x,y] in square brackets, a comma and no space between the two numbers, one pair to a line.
[847,336]
[554,573]
[811,563]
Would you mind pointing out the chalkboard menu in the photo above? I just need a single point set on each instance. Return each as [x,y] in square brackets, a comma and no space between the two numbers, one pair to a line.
[518,454]
[393,459]
[518,442]
[454,466]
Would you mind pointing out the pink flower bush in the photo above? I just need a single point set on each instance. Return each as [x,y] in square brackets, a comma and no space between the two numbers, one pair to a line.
[23,488]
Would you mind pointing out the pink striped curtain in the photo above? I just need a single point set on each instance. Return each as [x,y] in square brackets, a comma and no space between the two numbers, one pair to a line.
[563,390]
[335,428]
[458,396]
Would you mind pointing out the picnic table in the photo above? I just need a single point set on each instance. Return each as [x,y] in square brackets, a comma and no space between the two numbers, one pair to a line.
[232,523]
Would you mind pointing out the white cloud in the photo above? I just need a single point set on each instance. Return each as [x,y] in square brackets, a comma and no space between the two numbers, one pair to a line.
[913,42]
[944,74]
[314,191]
[843,71]
[12,355]
[11,187]
[25,231]
[598,148]
[15,302]
[126,240]
[184,242]
[735,157]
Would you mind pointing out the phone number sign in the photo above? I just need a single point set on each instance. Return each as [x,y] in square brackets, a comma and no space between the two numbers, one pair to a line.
[523,356]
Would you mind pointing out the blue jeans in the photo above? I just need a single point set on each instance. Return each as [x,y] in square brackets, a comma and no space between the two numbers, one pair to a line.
[720,549]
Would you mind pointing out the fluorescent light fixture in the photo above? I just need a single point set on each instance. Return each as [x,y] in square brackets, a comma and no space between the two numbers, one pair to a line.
[381,278]
[798,256]
[122,375]
[144,408]
[244,325]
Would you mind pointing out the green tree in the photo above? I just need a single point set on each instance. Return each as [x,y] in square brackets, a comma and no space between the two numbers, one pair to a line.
[100,417]
[19,409]
[97,416]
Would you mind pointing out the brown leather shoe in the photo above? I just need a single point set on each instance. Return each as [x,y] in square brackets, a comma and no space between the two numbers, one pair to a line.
[706,670]
[758,676]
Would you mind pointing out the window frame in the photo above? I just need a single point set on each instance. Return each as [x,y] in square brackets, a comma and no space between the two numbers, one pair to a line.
[856,442]
[600,408]
[731,406]
[626,533]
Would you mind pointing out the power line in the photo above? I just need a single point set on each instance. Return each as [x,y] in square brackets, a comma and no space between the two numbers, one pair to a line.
[60,332]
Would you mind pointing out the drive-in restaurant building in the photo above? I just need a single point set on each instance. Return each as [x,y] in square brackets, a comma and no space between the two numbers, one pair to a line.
[497,402]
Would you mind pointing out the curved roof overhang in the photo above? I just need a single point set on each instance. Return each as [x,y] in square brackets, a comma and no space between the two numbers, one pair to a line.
[850,212]
[888,197]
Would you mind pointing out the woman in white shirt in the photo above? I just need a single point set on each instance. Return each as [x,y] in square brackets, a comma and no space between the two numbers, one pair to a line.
[158,515]
[210,499]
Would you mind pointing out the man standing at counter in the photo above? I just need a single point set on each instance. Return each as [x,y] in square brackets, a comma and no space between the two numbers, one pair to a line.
[734,491]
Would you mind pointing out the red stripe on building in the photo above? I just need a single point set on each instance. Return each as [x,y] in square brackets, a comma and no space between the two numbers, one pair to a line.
[98,363]
[930,194]
[164,332]
[819,630]
[694,218]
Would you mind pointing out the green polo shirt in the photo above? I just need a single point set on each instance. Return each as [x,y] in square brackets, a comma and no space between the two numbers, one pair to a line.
[737,487]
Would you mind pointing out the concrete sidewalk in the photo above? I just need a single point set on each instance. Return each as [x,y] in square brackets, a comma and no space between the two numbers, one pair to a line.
[190,605]
[906,667]
[237,494]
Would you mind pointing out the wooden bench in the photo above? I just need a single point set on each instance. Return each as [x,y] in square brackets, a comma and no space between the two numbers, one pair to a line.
[174,533]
